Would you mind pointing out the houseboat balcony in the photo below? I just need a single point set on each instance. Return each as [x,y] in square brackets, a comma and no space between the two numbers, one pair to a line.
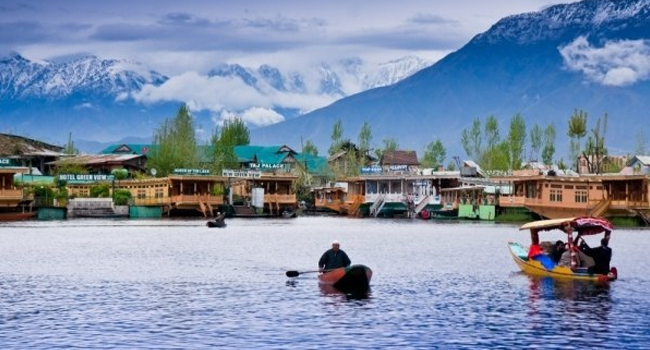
[11,194]
[190,199]
[512,201]
[150,201]
[628,204]
[387,197]
[280,198]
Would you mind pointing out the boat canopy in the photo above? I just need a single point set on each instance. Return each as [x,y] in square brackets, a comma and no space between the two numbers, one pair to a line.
[583,225]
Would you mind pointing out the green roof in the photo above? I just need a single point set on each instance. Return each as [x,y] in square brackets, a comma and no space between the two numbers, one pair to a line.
[127,148]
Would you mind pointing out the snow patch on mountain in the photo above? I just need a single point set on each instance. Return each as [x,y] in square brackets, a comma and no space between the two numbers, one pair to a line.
[616,63]
[555,20]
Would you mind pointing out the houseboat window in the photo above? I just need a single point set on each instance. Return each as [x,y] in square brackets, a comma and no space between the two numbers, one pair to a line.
[142,194]
[597,187]
[395,187]
[159,193]
[581,187]
[555,196]
[581,196]
[383,187]
[568,187]
[371,187]
[556,186]
[531,191]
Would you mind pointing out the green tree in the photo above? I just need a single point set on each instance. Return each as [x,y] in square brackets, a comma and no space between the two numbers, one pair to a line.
[69,147]
[641,145]
[174,144]
[337,138]
[549,144]
[233,132]
[451,166]
[516,140]
[471,140]
[434,154]
[310,148]
[389,144]
[489,156]
[576,131]
[536,137]
[595,149]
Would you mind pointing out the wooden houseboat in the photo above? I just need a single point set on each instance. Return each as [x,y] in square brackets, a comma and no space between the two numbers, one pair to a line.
[172,195]
[11,197]
[255,193]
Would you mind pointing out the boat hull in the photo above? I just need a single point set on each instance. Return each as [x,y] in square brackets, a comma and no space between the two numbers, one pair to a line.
[17,216]
[219,224]
[351,279]
[535,268]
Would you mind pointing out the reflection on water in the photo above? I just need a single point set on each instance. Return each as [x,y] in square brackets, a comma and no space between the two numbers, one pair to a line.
[178,284]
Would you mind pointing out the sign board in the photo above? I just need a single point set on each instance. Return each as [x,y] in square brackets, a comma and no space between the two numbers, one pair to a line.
[183,171]
[247,174]
[398,167]
[84,178]
[268,166]
[374,169]
[6,162]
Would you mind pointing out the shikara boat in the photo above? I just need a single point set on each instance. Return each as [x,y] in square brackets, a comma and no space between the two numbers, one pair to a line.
[533,261]
[220,224]
[352,279]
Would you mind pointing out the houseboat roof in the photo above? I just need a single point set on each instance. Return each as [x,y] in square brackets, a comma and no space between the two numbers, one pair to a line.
[95,159]
[13,145]
[399,158]
[127,148]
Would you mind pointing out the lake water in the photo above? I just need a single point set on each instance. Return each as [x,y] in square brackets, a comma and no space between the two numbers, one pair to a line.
[177,284]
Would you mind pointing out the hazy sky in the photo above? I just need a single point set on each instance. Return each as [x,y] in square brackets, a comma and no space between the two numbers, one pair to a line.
[174,36]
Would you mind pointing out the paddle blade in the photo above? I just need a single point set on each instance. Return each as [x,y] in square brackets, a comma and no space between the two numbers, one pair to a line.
[293,273]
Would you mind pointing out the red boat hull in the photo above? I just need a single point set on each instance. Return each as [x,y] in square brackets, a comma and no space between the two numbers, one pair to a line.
[351,279]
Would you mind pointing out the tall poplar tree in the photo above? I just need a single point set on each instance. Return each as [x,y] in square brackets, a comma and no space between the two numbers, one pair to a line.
[174,144]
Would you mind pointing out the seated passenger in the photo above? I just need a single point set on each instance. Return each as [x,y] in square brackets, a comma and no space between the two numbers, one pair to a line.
[565,257]
[558,249]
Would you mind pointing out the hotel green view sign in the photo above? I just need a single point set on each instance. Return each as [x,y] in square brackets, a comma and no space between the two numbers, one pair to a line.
[84,178]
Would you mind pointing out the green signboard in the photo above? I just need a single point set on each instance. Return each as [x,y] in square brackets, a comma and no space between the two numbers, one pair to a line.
[7,162]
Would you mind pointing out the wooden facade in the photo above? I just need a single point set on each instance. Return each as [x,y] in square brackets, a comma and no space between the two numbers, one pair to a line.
[10,196]
[202,193]
[276,193]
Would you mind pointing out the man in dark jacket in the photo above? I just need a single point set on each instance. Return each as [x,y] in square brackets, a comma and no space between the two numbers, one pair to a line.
[333,258]
[602,256]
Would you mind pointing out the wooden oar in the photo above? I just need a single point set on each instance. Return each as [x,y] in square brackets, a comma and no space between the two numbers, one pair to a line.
[298,273]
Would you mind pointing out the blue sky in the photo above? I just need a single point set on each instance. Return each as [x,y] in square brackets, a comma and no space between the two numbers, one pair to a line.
[186,39]
[179,36]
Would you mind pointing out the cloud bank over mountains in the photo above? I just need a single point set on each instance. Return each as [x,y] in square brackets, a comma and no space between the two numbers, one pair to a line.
[616,63]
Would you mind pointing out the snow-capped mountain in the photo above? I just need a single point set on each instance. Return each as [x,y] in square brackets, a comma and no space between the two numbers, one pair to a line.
[23,79]
[339,79]
[592,55]
[97,98]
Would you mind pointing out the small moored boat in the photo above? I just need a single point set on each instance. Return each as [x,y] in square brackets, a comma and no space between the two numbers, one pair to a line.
[351,279]
[216,224]
[533,261]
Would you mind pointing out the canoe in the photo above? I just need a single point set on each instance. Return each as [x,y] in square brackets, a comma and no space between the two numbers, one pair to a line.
[351,279]
[536,268]
[216,224]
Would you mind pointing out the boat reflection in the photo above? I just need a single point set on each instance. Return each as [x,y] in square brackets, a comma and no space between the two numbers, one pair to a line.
[572,299]
[330,290]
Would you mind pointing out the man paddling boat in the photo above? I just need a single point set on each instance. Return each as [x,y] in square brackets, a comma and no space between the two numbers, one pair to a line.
[333,258]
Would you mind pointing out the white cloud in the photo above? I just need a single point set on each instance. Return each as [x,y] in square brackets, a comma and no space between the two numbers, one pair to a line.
[617,63]
[256,116]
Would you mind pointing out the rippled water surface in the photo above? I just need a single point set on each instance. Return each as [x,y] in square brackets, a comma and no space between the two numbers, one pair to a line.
[179,284]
